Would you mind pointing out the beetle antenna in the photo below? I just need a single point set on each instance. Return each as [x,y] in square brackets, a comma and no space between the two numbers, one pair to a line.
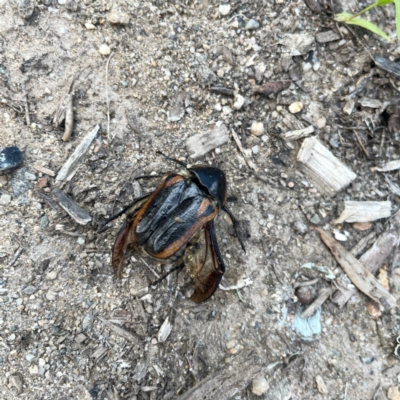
[172,159]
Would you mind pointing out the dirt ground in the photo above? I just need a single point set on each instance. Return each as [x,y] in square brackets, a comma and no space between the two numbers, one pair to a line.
[144,71]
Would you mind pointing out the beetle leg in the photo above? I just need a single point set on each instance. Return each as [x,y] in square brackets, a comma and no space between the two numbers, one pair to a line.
[123,211]
[178,268]
[124,239]
[235,226]
[172,159]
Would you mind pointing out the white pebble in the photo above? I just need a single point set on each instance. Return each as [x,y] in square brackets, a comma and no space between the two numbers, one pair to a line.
[89,26]
[226,110]
[257,128]
[316,66]
[321,122]
[255,149]
[339,236]
[224,9]
[239,101]
[296,107]
[260,386]
[104,50]
[5,199]
[252,24]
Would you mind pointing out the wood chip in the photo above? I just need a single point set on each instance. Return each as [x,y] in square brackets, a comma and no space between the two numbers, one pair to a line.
[271,88]
[387,65]
[80,338]
[65,112]
[99,353]
[327,36]
[298,134]
[356,272]
[44,170]
[371,103]
[321,385]
[202,143]
[364,211]
[81,216]
[71,166]
[221,90]
[164,331]
[362,226]
[327,172]
[119,331]
[390,166]
[225,383]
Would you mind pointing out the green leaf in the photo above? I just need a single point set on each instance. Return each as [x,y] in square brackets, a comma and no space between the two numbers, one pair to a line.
[382,3]
[397,6]
[349,19]
[370,26]
[343,17]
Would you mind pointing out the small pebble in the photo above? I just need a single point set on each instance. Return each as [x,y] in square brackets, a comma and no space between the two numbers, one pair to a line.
[226,110]
[117,16]
[50,295]
[257,128]
[239,101]
[29,290]
[29,176]
[252,24]
[321,122]
[255,149]
[104,50]
[81,240]
[52,275]
[224,9]
[315,219]
[339,236]
[29,357]
[300,227]
[26,8]
[34,370]
[10,158]
[259,386]
[5,199]
[296,107]
[89,26]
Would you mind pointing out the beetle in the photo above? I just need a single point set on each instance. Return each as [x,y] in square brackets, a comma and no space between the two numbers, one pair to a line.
[175,223]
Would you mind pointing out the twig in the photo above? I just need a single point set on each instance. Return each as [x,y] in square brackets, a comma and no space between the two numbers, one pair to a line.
[151,269]
[392,83]
[108,100]
[382,142]
[322,296]
[378,389]
[16,256]
[65,112]
[361,143]
[28,119]
[306,283]
[241,149]
[356,272]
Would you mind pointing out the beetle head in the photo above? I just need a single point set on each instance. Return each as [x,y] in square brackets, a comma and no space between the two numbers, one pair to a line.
[212,179]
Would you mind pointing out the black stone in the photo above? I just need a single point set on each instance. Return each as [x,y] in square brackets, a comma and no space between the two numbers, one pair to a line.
[10,158]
